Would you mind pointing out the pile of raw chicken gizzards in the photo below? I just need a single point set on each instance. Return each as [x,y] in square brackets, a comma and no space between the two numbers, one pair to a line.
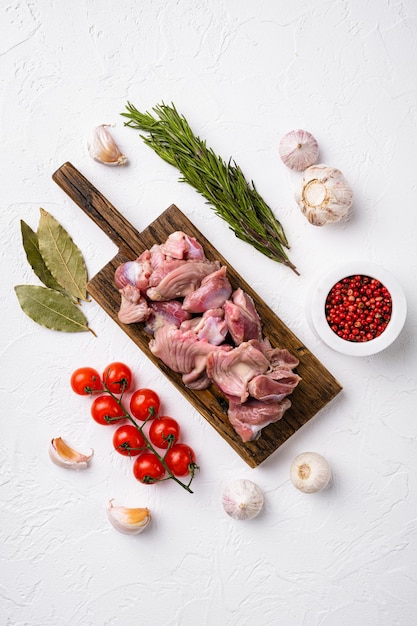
[203,329]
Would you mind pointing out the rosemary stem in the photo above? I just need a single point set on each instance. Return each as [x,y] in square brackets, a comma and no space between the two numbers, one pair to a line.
[221,183]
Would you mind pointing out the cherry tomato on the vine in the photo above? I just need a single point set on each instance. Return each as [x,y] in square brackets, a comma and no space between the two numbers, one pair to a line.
[148,469]
[106,407]
[181,459]
[85,380]
[118,377]
[144,404]
[128,440]
[164,431]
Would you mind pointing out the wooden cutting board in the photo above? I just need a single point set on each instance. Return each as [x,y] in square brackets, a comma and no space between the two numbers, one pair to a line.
[317,387]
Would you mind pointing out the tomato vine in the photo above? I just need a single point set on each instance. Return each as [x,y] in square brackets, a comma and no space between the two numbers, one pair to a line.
[151,465]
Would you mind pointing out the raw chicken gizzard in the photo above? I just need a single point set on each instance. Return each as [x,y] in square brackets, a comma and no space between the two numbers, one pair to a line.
[210,333]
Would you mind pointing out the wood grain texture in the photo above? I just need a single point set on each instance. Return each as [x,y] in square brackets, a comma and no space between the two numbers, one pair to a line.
[317,387]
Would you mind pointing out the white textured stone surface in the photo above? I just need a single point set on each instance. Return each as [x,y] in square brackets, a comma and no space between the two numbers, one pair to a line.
[244,73]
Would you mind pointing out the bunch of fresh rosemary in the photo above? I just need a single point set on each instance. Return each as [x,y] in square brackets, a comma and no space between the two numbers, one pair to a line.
[222,184]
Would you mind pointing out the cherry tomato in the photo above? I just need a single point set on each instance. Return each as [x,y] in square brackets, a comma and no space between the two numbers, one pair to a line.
[148,469]
[86,380]
[127,440]
[164,431]
[118,377]
[180,459]
[106,407]
[144,404]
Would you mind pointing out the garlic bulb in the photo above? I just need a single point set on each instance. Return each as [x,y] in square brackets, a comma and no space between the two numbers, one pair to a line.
[65,456]
[130,521]
[242,499]
[104,149]
[298,149]
[324,196]
[310,472]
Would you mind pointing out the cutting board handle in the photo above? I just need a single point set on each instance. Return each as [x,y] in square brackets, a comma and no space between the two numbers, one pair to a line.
[98,208]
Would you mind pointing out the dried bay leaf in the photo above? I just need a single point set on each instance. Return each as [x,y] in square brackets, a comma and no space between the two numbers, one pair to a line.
[62,256]
[33,254]
[51,309]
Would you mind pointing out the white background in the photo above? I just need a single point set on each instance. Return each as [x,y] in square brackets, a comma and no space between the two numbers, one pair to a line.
[243,73]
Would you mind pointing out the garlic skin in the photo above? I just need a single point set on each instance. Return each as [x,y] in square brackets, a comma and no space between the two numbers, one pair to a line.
[64,456]
[130,521]
[298,150]
[242,499]
[324,195]
[310,472]
[103,148]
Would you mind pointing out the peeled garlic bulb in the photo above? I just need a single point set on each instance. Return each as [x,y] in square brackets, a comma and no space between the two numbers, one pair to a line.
[310,472]
[65,456]
[324,196]
[130,521]
[104,149]
[242,499]
[298,149]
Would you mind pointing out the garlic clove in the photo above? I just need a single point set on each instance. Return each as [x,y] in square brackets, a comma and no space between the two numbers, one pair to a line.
[103,148]
[130,521]
[64,456]
[298,149]
[242,499]
[310,472]
[324,195]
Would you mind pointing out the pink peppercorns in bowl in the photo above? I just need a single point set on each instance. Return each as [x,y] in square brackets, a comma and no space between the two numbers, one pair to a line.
[358,308]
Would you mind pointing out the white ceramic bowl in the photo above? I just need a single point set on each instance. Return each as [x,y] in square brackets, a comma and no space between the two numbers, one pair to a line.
[319,295]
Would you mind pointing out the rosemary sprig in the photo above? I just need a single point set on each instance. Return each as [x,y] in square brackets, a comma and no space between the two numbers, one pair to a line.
[222,184]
